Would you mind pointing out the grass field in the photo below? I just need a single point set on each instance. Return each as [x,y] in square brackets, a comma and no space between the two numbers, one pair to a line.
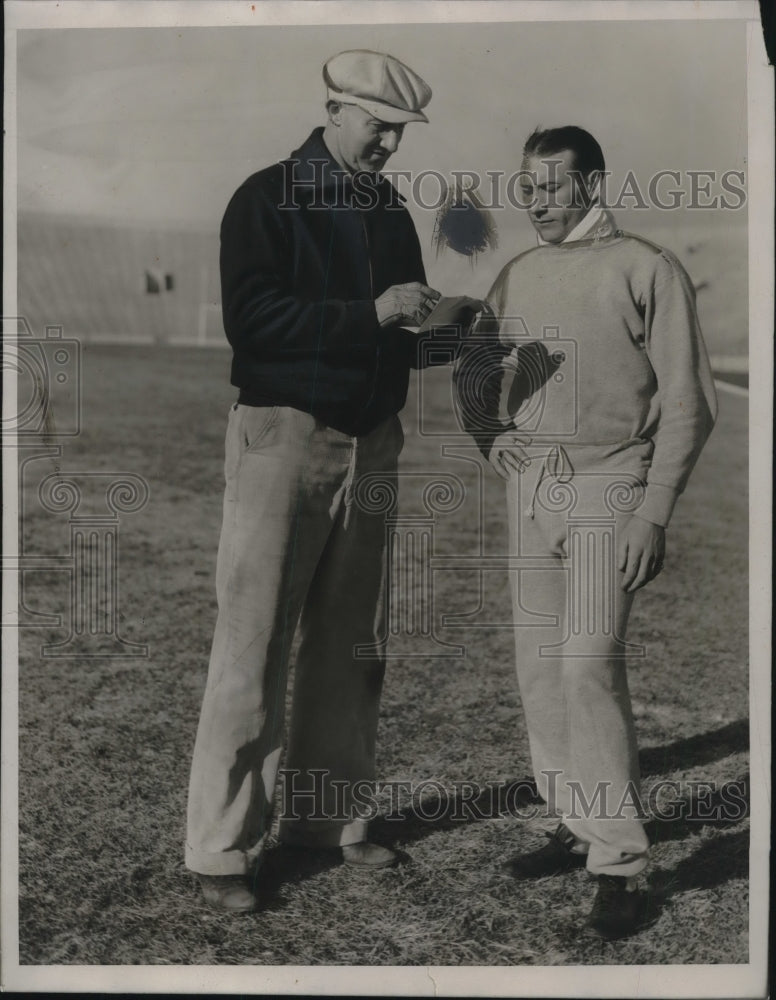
[105,744]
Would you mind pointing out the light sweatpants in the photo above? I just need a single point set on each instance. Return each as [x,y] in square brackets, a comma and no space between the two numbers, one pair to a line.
[565,514]
[295,547]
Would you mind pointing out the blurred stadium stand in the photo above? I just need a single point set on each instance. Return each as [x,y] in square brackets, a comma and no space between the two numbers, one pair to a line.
[106,282]
[123,283]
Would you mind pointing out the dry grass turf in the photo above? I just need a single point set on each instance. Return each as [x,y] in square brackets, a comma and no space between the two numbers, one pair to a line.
[105,744]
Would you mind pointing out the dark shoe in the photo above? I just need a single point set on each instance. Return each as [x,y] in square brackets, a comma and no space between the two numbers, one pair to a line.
[228,892]
[366,855]
[616,913]
[554,858]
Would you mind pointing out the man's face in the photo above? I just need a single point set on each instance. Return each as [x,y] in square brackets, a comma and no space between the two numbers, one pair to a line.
[365,143]
[553,194]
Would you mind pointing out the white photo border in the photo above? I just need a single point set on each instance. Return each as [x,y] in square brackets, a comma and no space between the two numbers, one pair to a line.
[747,980]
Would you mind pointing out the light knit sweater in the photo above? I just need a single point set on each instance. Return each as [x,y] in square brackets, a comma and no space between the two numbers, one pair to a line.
[625,358]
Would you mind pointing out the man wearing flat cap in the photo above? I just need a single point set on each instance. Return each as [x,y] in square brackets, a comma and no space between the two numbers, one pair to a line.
[320,266]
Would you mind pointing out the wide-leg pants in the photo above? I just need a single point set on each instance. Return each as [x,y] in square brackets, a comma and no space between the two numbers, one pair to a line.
[295,546]
[570,615]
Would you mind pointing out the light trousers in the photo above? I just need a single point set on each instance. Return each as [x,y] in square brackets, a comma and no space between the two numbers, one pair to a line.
[295,547]
[570,615]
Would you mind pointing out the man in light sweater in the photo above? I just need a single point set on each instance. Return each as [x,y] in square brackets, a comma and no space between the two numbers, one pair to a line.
[589,391]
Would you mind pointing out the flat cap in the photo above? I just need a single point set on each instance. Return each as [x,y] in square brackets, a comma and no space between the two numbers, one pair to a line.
[378,83]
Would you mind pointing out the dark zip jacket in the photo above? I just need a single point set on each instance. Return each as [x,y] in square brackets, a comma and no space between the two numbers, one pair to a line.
[306,248]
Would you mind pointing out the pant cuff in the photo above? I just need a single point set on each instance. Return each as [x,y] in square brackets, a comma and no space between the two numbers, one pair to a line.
[321,834]
[622,869]
[224,862]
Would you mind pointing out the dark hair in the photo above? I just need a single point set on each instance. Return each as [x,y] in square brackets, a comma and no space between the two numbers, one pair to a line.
[550,141]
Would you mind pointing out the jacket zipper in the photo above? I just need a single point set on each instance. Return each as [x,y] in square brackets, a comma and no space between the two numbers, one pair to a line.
[372,296]
[368,254]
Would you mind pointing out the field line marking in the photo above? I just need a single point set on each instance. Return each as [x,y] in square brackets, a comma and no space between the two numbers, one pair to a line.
[734,390]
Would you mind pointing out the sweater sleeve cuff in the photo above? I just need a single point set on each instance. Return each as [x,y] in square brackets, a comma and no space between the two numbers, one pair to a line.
[658,505]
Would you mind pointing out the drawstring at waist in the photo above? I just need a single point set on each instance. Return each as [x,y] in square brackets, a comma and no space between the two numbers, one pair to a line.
[555,464]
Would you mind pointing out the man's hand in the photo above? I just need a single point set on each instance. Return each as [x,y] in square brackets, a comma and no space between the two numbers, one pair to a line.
[409,303]
[507,456]
[640,552]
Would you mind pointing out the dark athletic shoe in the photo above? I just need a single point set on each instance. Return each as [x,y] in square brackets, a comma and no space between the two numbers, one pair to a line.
[228,892]
[617,913]
[555,858]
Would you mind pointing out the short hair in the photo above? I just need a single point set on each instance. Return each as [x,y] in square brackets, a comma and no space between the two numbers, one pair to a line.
[551,141]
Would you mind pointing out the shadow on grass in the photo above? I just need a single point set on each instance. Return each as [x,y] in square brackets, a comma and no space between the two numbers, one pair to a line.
[716,861]
[723,808]
[704,748]
[448,811]
[284,865]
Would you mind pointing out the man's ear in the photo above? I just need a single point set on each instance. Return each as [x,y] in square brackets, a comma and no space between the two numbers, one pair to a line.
[593,186]
[334,111]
